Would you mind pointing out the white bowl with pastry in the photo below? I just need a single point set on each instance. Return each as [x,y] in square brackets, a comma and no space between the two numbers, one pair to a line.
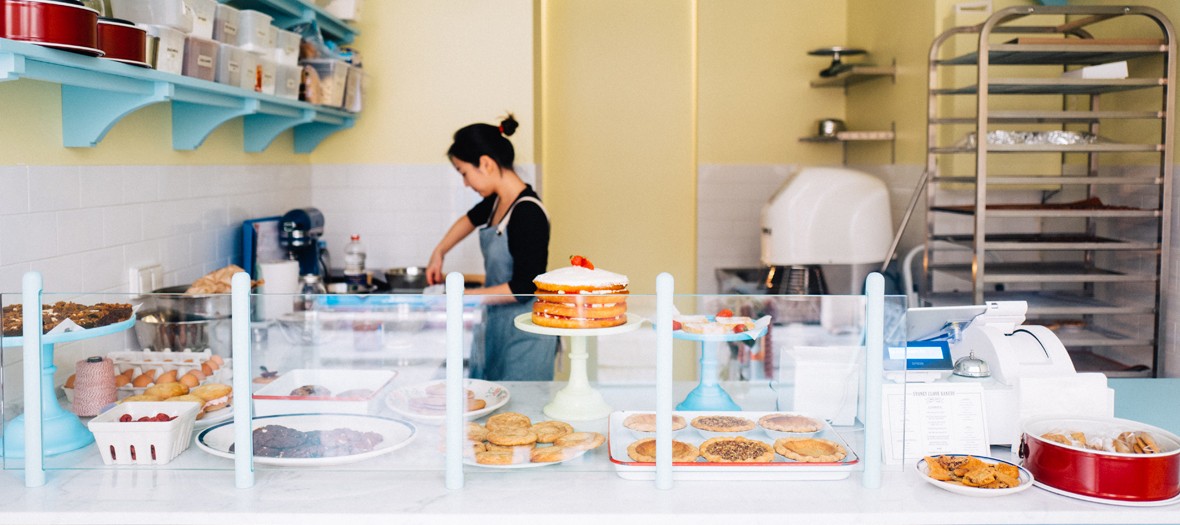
[328,390]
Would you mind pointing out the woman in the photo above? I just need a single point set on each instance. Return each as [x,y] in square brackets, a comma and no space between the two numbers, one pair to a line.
[514,239]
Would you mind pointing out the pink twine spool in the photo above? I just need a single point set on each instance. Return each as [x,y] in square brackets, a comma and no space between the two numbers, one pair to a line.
[94,385]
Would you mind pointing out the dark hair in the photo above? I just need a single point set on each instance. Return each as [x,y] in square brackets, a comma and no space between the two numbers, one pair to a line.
[476,140]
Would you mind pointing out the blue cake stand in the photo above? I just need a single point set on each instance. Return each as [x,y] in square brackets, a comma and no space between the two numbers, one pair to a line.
[61,430]
[708,395]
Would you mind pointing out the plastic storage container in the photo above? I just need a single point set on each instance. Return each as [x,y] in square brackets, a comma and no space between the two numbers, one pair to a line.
[200,58]
[251,80]
[286,47]
[287,79]
[353,89]
[347,10]
[225,24]
[229,64]
[254,31]
[172,13]
[267,66]
[170,50]
[333,79]
[147,442]
[204,12]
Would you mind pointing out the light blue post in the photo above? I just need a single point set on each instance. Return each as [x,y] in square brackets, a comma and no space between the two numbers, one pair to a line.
[874,368]
[244,406]
[31,298]
[456,397]
[665,287]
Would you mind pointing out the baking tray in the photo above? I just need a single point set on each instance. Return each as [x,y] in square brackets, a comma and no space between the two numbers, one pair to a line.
[781,469]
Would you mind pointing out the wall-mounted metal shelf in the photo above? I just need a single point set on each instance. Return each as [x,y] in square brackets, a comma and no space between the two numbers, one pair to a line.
[855,75]
[97,93]
[288,13]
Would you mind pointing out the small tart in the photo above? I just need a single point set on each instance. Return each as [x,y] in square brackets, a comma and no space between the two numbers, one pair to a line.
[789,423]
[508,420]
[810,450]
[736,450]
[722,423]
[647,422]
[644,451]
[549,431]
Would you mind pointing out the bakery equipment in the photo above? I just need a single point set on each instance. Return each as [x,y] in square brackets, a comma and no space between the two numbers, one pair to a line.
[991,346]
[837,53]
[299,233]
[825,220]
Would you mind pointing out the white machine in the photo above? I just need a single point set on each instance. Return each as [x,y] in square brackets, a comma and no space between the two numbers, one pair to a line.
[989,344]
[828,216]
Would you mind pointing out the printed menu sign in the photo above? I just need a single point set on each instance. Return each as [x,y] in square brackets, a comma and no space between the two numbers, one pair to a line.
[933,418]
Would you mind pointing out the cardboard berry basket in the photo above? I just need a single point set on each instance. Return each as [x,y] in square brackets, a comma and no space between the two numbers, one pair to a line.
[144,442]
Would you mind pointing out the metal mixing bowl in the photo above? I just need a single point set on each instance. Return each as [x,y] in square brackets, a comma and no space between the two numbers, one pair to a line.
[162,330]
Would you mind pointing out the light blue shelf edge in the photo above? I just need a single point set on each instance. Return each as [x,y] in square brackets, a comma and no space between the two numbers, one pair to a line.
[97,93]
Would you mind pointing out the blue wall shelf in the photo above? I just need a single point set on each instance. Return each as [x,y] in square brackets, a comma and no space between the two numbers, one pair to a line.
[97,93]
[287,13]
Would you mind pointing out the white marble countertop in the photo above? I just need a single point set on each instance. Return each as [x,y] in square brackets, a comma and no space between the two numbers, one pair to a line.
[583,492]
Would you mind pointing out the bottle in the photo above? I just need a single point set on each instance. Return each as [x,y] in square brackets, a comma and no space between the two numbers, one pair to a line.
[310,288]
[354,265]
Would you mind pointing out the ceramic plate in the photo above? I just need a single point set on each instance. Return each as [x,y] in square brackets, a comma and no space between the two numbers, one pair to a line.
[212,418]
[396,434]
[494,394]
[1026,480]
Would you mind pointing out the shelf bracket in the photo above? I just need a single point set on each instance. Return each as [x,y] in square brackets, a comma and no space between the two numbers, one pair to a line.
[194,120]
[87,114]
[12,66]
[309,136]
[263,127]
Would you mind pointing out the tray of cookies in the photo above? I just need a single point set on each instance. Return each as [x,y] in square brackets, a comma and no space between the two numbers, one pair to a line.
[511,440]
[732,446]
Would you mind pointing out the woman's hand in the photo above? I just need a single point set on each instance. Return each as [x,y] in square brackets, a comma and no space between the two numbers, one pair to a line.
[434,273]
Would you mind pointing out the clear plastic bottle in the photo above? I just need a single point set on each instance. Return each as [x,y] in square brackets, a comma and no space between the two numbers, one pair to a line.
[354,264]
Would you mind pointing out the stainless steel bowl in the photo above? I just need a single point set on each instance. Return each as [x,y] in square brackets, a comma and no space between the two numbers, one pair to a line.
[161,330]
[411,279]
[173,302]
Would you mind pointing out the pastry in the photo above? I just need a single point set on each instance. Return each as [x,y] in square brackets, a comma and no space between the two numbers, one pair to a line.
[580,440]
[476,431]
[644,451]
[551,454]
[810,450]
[508,420]
[189,398]
[549,431]
[580,296]
[512,448]
[736,450]
[647,422]
[724,323]
[495,457]
[972,472]
[511,437]
[311,391]
[167,390]
[789,423]
[216,395]
[722,423]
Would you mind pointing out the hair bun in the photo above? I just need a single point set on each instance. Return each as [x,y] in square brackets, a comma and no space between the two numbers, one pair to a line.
[508,126]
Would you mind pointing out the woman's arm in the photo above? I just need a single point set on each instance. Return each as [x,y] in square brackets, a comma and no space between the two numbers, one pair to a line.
[459,231]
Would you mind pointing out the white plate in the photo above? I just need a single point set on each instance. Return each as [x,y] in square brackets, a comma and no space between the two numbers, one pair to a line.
[1119,502]
[494,394]
[215,417]
[1026,480]
[217,439]
[471,461]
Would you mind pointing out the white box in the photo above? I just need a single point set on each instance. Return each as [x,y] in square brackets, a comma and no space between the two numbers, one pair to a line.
[172,13]
[225,24]
[1113,70]
[287,80]
[287,47]
[254,31]
[276,398]
[347,10]
[135,443]
[204,11]
[170,52]
[200,58]
[229,65]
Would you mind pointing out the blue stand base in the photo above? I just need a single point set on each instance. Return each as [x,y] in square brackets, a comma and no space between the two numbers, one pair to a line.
[63,432]
[708,398]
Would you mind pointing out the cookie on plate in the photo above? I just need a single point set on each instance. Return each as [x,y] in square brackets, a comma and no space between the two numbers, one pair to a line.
[549,431]
[736,450]
[511,437]
[508,420]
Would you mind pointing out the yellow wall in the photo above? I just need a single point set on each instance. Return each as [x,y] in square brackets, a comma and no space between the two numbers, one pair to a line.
[617,123]
[434,67]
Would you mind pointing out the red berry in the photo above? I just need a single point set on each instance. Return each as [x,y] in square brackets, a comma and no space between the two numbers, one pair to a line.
[173,417]
[125,418]
[144,418]
[578,260]
[739,328]
[726,312]
[676,325]
[163,417]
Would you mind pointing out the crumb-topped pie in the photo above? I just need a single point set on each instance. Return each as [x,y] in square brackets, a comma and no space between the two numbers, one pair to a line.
[647,422]
[722,423]
[789,423]
[644,451]
[810,450]
[736,450]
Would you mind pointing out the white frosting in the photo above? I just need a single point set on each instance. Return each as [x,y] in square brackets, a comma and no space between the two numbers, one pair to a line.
[578,276]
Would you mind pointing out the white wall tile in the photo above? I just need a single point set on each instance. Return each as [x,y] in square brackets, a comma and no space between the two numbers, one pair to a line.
[10,280]
[122,224]
[63,274]
[53,188]
[140,183]
[100,186]
[79,230]
[104,270]
[28,237]
[15,197]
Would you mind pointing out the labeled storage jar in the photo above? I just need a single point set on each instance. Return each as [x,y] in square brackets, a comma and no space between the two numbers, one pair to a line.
[170,50]
[333,79]
[229,65]
[200,58]
[204,12]
[254,31]
[267,67]
[251,77]
[287,79]
[287,47]
[171,13]
[225,24]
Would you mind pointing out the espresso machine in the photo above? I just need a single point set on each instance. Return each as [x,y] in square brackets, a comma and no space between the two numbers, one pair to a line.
[299,234]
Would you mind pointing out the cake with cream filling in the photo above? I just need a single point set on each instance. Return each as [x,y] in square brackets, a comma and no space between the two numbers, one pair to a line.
[580,296]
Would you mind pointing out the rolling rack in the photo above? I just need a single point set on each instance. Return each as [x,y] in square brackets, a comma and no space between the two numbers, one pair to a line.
[1085,242]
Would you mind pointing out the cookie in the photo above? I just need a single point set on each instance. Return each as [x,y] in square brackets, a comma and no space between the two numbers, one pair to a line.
[580,440]
[510,448]
[722,423]
[644,451]
[736,450]
[551,454]
[476,431]
[549,431]
[495,457]
[511,437]
[647,422]
[508,420]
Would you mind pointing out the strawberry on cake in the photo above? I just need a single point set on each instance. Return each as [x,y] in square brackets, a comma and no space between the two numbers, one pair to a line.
[580,296]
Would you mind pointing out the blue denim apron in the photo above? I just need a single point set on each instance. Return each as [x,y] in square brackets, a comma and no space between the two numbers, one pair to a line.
[499,351]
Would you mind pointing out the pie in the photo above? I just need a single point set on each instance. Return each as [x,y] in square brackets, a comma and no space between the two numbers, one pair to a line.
[736,450]
[644,451]
[789,423]
[722,423]
[810,450]
[647,422]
